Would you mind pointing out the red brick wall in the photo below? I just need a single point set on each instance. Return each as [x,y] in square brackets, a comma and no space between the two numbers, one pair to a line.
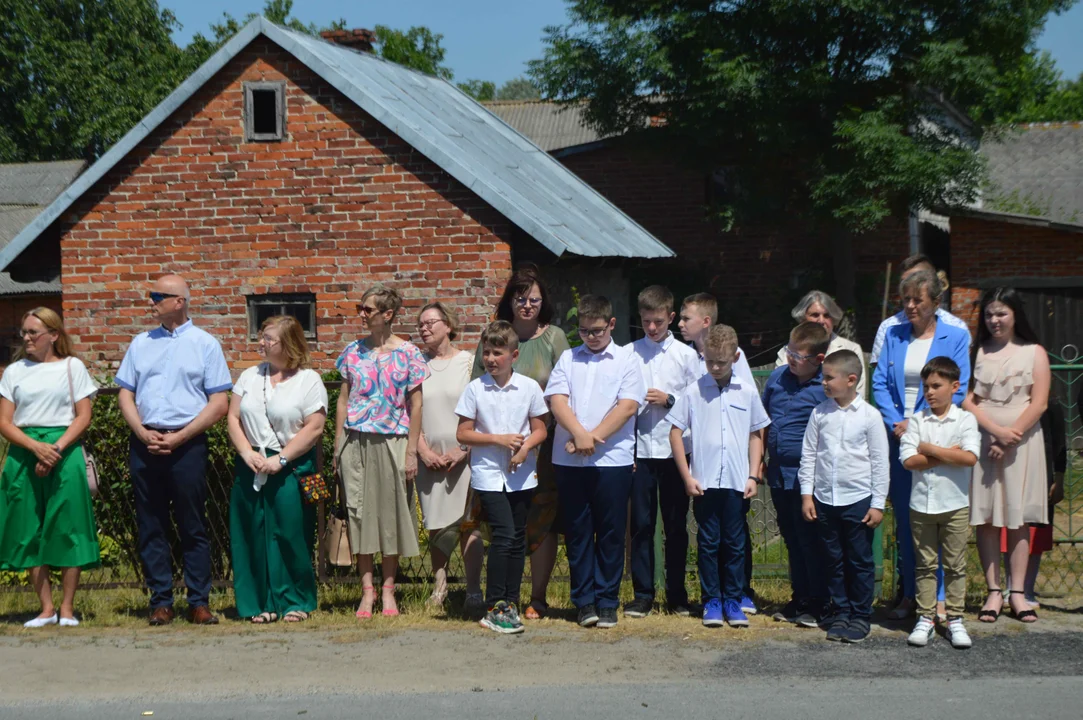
[983,250]
[758,273]
[341,204]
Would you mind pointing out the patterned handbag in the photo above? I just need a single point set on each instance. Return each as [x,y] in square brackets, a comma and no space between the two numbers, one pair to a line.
[314,488]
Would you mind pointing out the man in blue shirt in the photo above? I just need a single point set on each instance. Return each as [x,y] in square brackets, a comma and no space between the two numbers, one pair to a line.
[173,383]
[790,395]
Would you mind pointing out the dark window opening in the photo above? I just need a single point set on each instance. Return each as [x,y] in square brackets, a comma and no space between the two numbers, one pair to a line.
[264,112]
[300,305]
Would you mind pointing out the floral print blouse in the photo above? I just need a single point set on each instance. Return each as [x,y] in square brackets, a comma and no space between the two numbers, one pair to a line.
[378,386]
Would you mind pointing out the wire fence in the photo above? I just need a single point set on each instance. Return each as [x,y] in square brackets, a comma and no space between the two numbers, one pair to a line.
[114,507]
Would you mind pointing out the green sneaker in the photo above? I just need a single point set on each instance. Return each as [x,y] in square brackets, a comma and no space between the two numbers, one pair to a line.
[498,620]
[512,613]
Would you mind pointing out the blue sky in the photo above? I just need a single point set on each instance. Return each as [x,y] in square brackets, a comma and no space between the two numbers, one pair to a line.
[493,39]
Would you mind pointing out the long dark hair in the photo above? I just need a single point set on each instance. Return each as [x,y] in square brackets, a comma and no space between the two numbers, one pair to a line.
[1014,301]
[519,284]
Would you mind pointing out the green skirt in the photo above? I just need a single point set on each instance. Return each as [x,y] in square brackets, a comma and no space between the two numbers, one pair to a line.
[272,534]
[46,520]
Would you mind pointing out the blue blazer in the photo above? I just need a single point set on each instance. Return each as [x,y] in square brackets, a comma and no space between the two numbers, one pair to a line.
[889,381]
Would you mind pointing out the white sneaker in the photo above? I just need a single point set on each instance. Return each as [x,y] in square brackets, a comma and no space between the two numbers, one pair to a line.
[960,639]
[40,622]
[922,632]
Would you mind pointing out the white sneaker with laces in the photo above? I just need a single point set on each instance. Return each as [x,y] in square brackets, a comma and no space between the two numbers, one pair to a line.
[922,632]
[960,639]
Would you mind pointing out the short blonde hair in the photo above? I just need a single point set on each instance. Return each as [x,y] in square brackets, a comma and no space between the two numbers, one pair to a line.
[721,339]
[446,314]
[292,337]
[62,346]
[705,303]
[386,298]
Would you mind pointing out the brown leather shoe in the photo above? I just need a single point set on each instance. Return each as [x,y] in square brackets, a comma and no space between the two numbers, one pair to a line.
[201,615]
[161,616]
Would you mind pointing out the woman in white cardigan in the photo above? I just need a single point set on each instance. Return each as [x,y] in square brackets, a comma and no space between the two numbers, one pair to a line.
[819,307]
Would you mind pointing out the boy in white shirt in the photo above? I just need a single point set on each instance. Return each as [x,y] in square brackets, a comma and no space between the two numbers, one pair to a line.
[844,480]
[502,416]
[698,313]
[668,367]
[725,416]
[940,446]
[594,392]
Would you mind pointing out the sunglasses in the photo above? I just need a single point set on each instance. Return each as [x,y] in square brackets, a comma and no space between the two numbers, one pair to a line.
[524,301]
[157,297]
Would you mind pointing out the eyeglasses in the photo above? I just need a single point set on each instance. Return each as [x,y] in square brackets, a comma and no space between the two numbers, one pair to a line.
[593,333]
[524,301]
[31,334]
[268,340]
[798,356]
[157,297]
[428,323]
[367,310]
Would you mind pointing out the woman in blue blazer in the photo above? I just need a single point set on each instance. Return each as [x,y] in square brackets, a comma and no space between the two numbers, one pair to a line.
[898,392]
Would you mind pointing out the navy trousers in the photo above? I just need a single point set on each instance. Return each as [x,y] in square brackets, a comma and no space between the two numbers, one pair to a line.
[848,563]
[720,544]
[803,546]
[654,483]
[594,511]
[176,482]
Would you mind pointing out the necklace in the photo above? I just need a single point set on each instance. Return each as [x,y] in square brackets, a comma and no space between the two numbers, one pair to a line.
[447,363]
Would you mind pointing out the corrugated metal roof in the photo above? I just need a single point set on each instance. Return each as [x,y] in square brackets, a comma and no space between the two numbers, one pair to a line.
[515,176]
[1037,169]
[549,125]
[9,287]
[36,183]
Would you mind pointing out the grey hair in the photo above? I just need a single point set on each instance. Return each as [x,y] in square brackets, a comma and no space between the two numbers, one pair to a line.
[923,280]
[817,297]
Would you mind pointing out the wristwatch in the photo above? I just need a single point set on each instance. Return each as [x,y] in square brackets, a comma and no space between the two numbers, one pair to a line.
[282,460]
[670,400]
[758,481]
[464,448]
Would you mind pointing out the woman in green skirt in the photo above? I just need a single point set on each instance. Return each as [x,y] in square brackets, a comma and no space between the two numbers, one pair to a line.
[276,418]
[46,518]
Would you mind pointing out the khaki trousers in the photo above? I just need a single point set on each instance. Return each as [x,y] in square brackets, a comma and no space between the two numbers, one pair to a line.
[944,535]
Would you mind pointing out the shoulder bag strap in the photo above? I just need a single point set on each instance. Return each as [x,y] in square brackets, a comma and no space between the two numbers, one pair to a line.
[71,390]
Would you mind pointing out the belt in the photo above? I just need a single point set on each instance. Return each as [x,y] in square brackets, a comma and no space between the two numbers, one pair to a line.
[163,430]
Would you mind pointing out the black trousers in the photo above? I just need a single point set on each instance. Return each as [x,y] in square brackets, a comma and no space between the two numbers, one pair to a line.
[506,513]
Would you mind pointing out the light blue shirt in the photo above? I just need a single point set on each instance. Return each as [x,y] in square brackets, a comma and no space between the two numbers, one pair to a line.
[172,373]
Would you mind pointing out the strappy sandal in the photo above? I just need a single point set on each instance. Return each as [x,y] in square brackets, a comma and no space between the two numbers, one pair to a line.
[295,616]
[536,610]
[366,614]
[1025,616]
[264,618]
[389,612]
[990,616]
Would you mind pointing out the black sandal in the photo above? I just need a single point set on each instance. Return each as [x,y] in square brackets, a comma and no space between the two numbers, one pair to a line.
[1026,616]
[990,616]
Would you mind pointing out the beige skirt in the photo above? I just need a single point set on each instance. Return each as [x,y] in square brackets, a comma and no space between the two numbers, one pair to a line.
[379,503]
[1013,491]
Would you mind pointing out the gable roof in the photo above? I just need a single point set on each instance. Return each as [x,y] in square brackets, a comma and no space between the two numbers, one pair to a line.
[505,169]
[1037,169]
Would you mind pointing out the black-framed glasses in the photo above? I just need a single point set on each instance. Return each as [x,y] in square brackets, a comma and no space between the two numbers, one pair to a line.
[157,297]
[593,333]
[367,310]
[524,301]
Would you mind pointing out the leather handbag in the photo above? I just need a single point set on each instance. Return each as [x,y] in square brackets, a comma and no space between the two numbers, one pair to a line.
[336,536]
[91,465]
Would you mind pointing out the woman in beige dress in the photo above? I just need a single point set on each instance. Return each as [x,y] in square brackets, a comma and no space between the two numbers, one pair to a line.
[443,475]
[1009,490]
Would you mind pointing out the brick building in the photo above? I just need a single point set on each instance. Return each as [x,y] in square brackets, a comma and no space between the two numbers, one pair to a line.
[288,174]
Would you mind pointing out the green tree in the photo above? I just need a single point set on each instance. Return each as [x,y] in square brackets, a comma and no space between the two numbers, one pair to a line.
[76,76]
[1035,91]
[520,88]
[418,48]
[480,90]
[828,111]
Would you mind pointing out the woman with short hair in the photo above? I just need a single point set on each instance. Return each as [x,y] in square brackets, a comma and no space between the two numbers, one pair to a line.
[276,419]
[46,516]
[819,307]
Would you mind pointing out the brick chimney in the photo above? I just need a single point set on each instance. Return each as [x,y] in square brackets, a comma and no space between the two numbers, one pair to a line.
[356,39]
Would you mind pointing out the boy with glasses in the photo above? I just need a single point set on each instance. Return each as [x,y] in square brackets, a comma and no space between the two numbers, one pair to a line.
[595,391]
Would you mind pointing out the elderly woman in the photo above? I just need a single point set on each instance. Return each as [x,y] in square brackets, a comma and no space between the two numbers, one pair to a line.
[820,308]
[899,393]
[526,305]
[377,427]
[443,477]
[46,518]
[276,417]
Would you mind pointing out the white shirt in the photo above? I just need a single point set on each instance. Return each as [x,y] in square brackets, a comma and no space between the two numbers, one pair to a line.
[844,458]
[721,420]
[898,319]
[594,383]
[40,391]
[288,404]
[837,343]
[504,410]
[944,488]
[669,366]
[917,354]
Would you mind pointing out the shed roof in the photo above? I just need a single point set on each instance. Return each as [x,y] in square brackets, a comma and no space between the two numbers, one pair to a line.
[1037,169]
[470,143]
[549,125]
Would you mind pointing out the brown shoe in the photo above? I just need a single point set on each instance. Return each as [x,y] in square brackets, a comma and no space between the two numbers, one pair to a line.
[201,615]
[161,616]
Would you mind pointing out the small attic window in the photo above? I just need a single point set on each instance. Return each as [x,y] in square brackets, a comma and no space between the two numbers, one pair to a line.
[264,111]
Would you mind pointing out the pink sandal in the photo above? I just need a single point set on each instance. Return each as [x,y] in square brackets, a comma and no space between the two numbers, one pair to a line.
[366,614]
[392,612]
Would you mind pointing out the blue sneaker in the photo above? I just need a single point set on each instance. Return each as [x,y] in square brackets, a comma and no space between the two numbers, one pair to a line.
[734,615]
[747,606]
[712,613]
